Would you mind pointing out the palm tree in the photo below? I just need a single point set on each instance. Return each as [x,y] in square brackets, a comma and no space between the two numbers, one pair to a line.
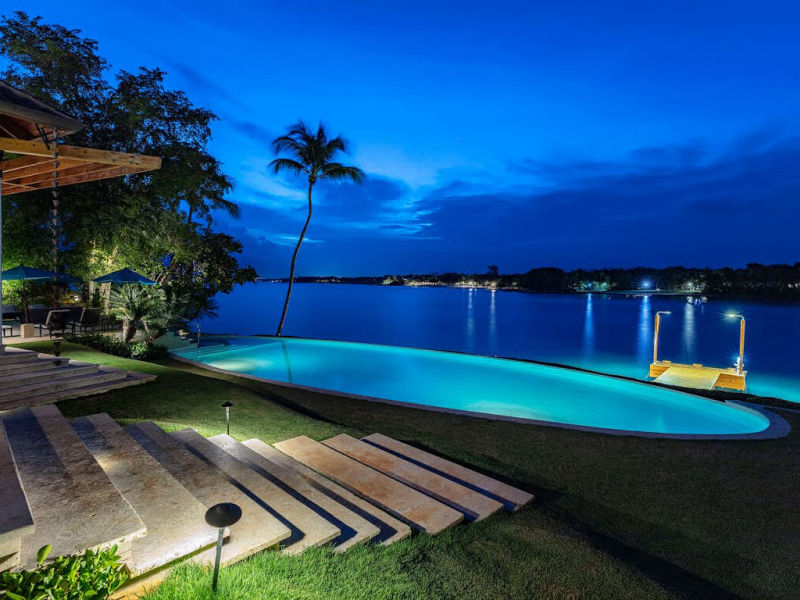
[135,305]
[311,154]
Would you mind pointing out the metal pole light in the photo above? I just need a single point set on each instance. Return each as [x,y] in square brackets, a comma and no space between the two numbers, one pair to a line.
[655,337]
[740,362]
[221,516]
[227,406]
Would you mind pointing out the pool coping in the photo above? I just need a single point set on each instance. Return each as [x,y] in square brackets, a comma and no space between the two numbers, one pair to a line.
[778,426]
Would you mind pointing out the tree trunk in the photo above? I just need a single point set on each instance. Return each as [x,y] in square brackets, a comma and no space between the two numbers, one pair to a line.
[294,260]
[128,331]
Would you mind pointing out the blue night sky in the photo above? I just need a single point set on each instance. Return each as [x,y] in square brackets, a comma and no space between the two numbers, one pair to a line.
[524,134]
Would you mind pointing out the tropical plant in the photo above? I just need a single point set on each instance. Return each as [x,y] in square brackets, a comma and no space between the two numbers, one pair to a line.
[95,574]
[163,221]
[134,305]
[312,154]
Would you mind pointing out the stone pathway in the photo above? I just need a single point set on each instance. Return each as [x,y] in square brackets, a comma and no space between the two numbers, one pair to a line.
[90,483]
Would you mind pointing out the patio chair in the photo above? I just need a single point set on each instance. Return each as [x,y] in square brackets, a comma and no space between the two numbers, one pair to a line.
[88,321]
[56,322]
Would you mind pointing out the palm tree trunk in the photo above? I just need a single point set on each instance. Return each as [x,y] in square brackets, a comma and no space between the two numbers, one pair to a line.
[294,259]
[128,330]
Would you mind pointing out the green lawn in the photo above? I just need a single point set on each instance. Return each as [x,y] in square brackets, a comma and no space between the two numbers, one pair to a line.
[615,517]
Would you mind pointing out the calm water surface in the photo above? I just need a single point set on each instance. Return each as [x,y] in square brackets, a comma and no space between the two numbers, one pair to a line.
[613,334]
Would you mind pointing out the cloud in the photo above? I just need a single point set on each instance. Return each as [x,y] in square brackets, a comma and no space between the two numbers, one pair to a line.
[689,204]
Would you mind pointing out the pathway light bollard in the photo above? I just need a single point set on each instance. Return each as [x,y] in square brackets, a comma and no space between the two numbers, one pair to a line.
[227,406]
[221,516]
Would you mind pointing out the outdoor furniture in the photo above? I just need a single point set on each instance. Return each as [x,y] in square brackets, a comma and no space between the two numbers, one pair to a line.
[56,321]
[90,320]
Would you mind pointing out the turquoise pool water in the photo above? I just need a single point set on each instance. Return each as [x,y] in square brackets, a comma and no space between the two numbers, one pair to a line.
[478,384]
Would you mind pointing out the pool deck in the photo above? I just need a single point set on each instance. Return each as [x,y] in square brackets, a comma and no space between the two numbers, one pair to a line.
[697,377]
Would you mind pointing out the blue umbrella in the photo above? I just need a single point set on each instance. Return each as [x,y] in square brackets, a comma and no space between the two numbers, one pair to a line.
[124,276]
[23,273]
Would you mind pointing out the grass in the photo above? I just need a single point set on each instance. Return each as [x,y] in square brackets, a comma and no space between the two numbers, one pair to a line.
[615,517]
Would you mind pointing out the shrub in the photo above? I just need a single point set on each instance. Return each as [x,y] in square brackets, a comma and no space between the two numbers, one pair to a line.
[93,574]
[110,345]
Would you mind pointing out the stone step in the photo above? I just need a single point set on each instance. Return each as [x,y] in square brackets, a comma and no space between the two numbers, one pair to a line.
[307,527]
[512,498]
[474,505]
[391,529]
[9,354]
[16,520]
[31,394]
[27,366]
[354,529]
[420,511]
[74,504]
[174,518]
[257,530]
[97,385]
[11,384]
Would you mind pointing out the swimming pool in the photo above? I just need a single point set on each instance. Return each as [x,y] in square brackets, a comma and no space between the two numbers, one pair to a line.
[477,384]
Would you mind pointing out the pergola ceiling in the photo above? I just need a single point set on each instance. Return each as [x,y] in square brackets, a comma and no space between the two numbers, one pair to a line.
[35,168]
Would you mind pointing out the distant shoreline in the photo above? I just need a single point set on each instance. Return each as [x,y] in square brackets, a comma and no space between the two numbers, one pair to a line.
[622,293]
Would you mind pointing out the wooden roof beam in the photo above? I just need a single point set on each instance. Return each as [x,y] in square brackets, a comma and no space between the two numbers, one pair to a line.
[33,148]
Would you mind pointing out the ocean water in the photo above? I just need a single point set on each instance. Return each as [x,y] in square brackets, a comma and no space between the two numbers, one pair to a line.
[607,333]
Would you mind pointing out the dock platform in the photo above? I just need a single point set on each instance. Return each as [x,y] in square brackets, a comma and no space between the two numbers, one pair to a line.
[697,377]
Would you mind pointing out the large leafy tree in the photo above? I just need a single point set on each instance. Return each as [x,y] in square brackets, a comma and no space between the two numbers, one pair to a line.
[161,222]
[311,154]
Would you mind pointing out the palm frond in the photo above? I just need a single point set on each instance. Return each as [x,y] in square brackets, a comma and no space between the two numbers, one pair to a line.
[288,164]
[337,171]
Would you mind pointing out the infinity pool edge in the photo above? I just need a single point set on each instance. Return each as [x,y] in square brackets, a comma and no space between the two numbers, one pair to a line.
[778,427]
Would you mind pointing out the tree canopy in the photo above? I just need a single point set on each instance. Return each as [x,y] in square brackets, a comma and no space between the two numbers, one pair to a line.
[160,223]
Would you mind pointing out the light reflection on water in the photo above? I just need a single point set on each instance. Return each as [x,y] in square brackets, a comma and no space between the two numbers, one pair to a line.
[606,333]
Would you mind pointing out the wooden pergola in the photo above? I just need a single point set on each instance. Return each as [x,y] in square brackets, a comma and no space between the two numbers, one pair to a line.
[31,157]
[38,165]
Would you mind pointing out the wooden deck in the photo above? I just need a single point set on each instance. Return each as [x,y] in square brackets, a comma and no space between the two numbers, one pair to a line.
[697,377]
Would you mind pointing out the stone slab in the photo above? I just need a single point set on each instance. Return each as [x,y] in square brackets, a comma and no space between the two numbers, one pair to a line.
[354,528]
[74,504]
[307,527]
[512,498]
[15,517]
[420,511]
[174,518]
[9,354]
[391,529]
[257,529]
[474,505]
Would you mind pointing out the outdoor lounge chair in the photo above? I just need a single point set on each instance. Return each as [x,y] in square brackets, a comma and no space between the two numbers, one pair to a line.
[88,321]
[56,322]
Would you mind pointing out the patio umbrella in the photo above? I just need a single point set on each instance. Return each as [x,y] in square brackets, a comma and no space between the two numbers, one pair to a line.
[124,276]
[24,273]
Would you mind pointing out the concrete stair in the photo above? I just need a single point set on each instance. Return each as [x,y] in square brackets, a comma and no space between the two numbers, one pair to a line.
[173,516]
[11,355]
[42,361]
[29,379]
[258,528]
[417,509]
[512,498]
[390,529]
[354,529]
[308,528]
[474,505]
[73,503]
[91,483]
[16,520]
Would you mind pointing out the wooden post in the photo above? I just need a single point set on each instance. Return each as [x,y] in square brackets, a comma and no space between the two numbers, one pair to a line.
[741,346]
[655,338]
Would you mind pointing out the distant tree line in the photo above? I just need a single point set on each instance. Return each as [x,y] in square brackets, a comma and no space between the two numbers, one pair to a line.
[755,280]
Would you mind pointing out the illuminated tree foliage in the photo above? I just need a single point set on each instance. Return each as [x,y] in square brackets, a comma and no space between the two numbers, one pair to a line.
[160,223]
